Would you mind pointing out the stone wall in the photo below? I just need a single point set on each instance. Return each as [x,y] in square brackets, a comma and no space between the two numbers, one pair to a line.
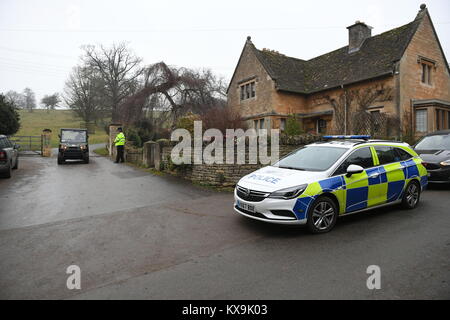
[134,156]
[222,175]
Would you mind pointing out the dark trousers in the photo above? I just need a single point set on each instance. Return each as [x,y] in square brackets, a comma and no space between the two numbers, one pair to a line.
[120,157]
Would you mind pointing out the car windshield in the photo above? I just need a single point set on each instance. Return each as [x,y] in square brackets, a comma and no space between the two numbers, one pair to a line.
[313,158]
[73,136]
[438,142]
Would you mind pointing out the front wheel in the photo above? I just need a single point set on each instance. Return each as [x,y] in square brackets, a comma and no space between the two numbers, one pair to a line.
[60,160]
[322,215]
[411,196]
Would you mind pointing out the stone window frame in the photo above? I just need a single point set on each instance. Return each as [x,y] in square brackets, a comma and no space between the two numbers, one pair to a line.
[247,89]
[442,118]
[427,66]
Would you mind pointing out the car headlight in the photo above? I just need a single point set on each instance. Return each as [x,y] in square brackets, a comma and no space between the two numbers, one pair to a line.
[445,163]
[83,147]
[63,146]
[288,193]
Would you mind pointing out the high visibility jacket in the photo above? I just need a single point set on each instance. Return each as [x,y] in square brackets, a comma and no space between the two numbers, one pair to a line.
[120,139]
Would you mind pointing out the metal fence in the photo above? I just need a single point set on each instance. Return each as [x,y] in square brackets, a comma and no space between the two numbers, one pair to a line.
[28,144]
[378,125]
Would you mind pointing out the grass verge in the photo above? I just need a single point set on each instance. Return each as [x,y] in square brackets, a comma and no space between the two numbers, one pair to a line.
[32,124]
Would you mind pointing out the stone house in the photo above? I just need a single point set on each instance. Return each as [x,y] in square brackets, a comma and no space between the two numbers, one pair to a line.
[401,74]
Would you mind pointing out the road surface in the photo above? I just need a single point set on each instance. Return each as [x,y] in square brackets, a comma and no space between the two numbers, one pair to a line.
[139,236]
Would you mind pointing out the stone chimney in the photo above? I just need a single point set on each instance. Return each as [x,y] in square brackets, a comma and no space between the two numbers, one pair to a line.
[357,33]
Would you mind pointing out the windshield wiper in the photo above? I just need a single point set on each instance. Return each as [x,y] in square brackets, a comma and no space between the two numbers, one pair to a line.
[300,169]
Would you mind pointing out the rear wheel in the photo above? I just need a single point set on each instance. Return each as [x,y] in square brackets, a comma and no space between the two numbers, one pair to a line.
[322,215]
[411,196]
[16,165]
[8,172]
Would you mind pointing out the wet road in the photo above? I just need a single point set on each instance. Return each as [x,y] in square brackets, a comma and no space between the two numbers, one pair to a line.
[136,235]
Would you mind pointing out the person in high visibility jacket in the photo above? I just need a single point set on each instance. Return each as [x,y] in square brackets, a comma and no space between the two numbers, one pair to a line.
[120,145]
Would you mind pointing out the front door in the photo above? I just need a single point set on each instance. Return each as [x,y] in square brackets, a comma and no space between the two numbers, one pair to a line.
[357,185]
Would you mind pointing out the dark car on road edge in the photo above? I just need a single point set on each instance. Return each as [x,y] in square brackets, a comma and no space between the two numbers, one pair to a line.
[434,149]
[73,145]
[9,156]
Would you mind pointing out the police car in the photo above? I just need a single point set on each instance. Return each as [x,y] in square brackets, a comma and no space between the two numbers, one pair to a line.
[321,181]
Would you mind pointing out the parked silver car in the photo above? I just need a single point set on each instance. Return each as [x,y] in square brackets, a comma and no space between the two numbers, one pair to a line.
[9,156]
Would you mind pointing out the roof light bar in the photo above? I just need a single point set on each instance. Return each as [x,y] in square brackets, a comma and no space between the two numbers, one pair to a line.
[364,137]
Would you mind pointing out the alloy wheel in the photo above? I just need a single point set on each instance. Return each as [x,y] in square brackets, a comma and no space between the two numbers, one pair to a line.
[323,215]
[412,194]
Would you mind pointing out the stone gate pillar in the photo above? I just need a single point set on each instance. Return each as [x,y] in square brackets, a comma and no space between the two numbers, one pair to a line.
[151,154]
[46,139]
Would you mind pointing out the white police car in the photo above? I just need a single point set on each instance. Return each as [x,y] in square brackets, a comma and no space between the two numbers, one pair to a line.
[318,182]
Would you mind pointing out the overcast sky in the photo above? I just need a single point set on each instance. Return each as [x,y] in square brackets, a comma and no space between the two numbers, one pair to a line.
[40,40]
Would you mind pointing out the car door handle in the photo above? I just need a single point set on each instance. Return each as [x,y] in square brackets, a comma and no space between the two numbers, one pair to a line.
[375,175]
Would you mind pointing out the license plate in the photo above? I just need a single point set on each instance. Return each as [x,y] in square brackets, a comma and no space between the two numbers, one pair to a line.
[246,206]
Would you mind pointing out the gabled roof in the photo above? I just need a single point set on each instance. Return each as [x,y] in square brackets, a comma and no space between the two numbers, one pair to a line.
[375,58]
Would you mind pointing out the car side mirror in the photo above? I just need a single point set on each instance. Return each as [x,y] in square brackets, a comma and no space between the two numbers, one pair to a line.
[16,146]
[353,169]
[59,136]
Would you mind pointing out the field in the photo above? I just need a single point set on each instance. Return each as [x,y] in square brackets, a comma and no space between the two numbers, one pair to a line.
[32,124]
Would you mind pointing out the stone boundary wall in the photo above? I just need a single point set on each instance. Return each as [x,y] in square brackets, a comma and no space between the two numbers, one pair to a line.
[157,155]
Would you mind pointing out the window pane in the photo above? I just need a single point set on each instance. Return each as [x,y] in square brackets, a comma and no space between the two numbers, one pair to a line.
[282,123]
[421,120]
[448,119]
[261,124]
[255,122]
[242,93]
[429,74]
[386,155]
[402,154]
[73,136]
[253,89]
[424,71]
[361,157]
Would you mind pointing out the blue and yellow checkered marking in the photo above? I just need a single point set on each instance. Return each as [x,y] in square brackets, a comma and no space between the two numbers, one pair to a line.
[374,186]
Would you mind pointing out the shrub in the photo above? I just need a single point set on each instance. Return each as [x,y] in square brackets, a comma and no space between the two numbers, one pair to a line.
[187,122]
[9,117]
[132,135]
[293,127]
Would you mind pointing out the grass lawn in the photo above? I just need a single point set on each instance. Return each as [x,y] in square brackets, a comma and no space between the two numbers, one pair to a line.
[32,124]
[102,152]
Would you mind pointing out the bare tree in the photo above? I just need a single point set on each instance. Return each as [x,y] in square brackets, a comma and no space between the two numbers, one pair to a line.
[171,92]
[119,69]
[81,93]
[30,99]
[15,98]
[50,101]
